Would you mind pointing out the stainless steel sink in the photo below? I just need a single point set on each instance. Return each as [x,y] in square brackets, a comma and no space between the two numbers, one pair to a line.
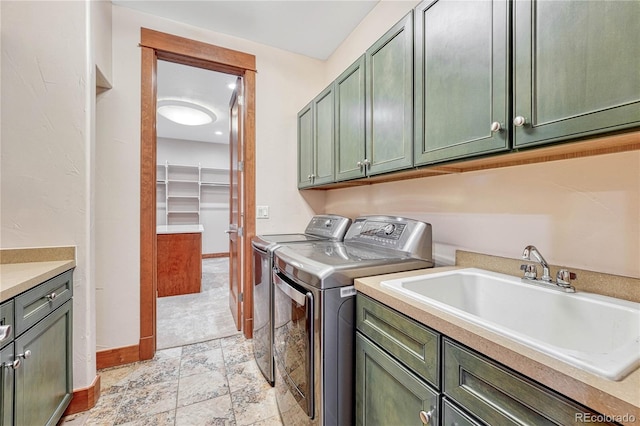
[596,333]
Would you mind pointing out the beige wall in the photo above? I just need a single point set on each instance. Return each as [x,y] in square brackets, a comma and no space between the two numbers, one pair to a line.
[583,213]
[48,92]
[284,84]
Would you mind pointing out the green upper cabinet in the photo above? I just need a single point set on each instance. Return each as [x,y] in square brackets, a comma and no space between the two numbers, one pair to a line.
[576,69]
[389,100]
[323,115]
[315,141]
[461,78]
[350,122]
[305,147]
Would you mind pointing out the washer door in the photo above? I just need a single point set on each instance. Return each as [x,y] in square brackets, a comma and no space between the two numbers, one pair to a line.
[293,342]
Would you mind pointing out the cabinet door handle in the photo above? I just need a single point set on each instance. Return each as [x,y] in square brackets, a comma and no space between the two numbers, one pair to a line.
[426,416]
[5,331]
[359,164]
[51,297]
[18,361]
[366,163]
[496,127]
[13,365]
[519,121]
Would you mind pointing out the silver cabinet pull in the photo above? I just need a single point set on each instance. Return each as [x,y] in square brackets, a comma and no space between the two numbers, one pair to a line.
[366,162]
[14,365]
[426,416]
[519,121]
[231,231]
[359,164]
[5,331]
[496,126]
[51,297]
[18,361]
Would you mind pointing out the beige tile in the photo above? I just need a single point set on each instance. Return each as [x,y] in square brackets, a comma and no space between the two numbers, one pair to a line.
[202,362]
[144,401]
[216,411]
[253,404]
[166,418]
[201,387]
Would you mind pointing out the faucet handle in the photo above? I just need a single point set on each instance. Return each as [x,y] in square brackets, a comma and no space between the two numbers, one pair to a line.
[564,277]
[530,270]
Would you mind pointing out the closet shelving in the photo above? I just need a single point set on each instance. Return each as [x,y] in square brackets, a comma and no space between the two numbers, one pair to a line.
[184,190]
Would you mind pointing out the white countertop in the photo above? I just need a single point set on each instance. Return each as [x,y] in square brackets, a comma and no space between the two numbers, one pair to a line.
[179,229]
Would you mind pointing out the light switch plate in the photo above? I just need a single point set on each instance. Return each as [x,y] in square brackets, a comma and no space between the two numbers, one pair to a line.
[262,212]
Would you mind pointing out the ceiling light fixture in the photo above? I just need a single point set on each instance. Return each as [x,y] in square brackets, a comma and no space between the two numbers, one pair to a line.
[185,112]
[218,133]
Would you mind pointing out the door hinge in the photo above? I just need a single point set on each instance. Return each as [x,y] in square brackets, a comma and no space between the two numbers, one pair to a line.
[240,231]
[241,297]
[241,166]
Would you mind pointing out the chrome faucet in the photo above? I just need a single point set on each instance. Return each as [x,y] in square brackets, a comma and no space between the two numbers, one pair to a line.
[532,250]
[563,278]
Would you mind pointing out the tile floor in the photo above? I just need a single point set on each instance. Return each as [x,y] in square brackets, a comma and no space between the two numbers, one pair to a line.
[213,382]
[198,317]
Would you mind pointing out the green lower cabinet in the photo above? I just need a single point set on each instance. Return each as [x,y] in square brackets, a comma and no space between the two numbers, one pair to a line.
[6,386]
[576,69]
[43,381]
[453,416]
[389,394]
[496,396]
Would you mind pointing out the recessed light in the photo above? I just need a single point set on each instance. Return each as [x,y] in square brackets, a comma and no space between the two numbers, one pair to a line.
[218,132]
[186,113]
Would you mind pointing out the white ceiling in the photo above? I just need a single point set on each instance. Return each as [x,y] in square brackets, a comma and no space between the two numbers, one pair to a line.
[208,89]
[313,28]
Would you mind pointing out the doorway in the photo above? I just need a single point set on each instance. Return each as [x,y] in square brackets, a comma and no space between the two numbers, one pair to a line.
[193,165]
[160,46]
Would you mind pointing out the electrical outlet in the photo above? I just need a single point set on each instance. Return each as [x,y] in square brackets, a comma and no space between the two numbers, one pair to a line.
[262,212]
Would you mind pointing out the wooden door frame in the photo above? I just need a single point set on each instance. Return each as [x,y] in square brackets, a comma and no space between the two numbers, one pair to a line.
[157,45]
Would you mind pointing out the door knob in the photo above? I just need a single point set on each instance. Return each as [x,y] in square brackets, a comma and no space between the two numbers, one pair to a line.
[496,126]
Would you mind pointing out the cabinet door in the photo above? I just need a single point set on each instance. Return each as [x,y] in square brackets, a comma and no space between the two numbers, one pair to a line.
[305,147]
[43,383]
[498,396]
[461,79]
[323,113]
[6,386]
[386,392]
[577,68]
[389,96]
[350,122]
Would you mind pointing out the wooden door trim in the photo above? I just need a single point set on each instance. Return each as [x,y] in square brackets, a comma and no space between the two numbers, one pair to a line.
[249,199]
[156,45]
